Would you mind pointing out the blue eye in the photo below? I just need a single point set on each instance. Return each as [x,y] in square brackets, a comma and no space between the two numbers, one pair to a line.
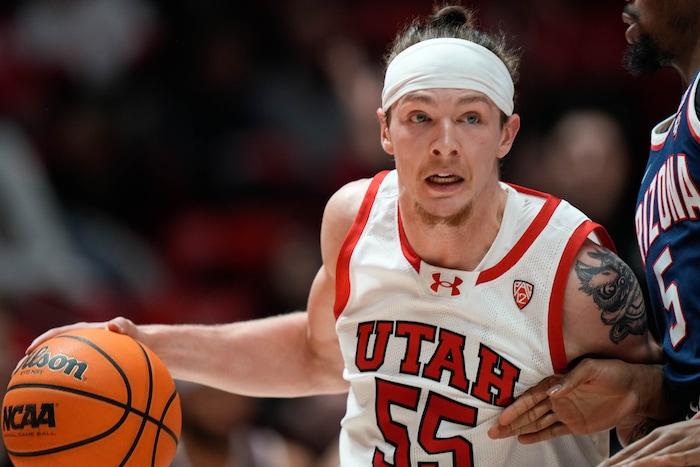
[472,118]
[419,118]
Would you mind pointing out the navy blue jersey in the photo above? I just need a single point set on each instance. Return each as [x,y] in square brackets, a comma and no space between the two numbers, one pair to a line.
[668,233]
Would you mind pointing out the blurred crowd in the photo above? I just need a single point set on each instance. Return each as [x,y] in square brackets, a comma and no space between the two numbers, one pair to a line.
[169,161]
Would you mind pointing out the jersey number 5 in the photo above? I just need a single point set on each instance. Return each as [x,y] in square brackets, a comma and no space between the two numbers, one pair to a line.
[438,409]
[670,297]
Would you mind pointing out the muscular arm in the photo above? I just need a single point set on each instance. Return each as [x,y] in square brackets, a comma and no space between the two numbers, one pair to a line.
[270,357]
[604,318]
[604,310]
[289,355]
[616,327]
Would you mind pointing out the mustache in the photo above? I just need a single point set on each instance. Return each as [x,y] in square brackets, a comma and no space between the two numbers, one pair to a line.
[631,12]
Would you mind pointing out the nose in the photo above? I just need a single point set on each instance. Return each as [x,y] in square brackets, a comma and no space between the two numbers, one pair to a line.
[446,142]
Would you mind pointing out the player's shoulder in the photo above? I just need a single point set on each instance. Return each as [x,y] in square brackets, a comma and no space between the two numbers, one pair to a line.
[346,201]
[339,216]
[342,207]
[351,192]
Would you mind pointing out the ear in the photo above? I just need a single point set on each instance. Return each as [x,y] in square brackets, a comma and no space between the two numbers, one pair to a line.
[385,137]
[508,133]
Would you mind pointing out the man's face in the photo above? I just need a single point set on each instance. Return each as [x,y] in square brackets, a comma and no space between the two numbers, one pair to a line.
[660,32]
[446,144]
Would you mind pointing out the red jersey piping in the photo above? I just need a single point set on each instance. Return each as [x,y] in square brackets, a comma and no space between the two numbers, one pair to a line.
[533,231]
[342,281]
[557,349]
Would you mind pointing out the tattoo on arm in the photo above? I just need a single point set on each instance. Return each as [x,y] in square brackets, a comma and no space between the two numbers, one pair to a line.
[616,291]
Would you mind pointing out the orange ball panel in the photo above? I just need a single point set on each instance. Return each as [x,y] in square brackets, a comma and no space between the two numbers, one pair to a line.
[91,397]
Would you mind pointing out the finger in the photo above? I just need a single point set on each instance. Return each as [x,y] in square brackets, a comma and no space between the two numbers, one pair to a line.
[536,418]
[539,425]
[542,419]
[580,374]
[528,402]
[689,457]
[59,330]
[664,451]
[632,452]
[553,431]
[120,324]
[653,460]
[44,337]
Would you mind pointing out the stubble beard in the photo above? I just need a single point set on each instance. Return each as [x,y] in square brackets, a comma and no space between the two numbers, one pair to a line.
[454,220]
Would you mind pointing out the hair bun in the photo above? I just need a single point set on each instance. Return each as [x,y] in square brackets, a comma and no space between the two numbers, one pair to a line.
[454,16]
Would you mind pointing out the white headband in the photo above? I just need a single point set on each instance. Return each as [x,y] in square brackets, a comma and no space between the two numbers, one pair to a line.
[448,63]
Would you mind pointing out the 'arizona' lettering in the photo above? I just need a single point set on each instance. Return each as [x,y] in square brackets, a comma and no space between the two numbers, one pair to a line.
[672,197]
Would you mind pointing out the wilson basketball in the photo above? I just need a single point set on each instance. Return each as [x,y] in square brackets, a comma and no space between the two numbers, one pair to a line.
[91,397]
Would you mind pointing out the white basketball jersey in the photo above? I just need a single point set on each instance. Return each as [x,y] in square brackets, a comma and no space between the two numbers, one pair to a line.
[433,355]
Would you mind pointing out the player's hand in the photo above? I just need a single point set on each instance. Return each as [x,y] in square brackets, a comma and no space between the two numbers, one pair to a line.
[671,445]
[119,324]
[595,395]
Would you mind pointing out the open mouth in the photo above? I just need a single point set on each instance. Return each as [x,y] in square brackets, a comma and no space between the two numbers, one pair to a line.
[441,179]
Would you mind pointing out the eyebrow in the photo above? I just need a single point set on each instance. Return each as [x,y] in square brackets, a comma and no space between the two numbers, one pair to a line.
[418,96]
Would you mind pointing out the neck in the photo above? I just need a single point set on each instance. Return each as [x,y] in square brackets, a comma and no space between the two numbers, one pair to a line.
[686,73]
[456,245]
[687,60]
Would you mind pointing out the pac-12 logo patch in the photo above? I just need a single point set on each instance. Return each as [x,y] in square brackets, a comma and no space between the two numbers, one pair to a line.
[522,293]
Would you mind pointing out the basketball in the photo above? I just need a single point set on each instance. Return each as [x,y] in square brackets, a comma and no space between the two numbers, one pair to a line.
[91,397]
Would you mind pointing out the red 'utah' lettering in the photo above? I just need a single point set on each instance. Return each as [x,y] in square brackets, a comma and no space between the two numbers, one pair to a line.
[495,376]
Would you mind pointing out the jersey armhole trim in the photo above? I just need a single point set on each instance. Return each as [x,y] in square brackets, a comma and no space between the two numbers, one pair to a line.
[692,111]
[555,322]
[342,277]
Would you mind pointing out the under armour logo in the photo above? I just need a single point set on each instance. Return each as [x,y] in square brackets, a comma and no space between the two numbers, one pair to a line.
[438,282]
[522,293]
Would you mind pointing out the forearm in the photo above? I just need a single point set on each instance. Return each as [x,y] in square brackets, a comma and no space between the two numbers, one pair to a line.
[269,357]
[655,407]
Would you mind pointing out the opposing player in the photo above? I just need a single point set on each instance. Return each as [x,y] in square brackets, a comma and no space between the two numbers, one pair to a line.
[444,293]
[661,33]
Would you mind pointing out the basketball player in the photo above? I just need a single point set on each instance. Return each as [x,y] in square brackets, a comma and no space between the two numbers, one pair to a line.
[443,293]
[661,33]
